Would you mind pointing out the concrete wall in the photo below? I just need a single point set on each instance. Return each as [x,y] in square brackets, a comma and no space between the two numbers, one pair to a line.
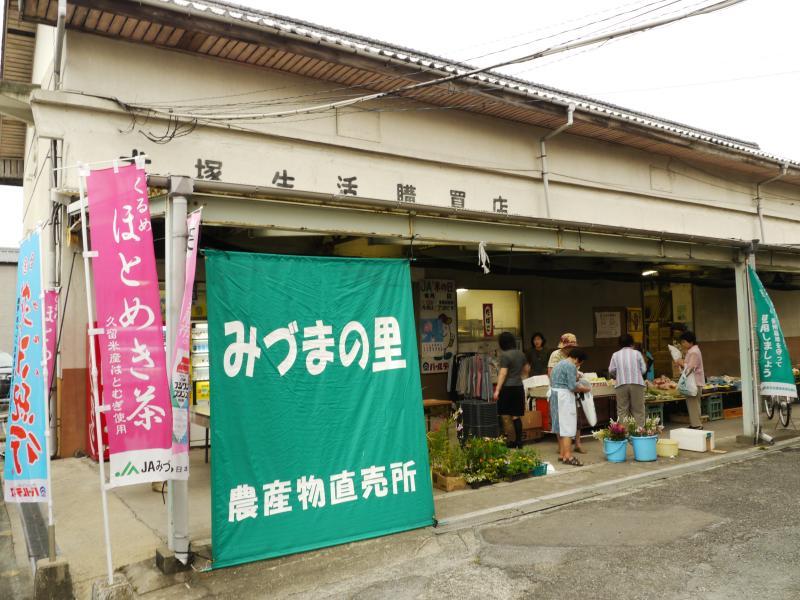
[8,305]
[435,150]
[716,326]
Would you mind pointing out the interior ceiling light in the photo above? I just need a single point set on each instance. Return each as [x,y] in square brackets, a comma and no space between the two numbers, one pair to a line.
[649,273]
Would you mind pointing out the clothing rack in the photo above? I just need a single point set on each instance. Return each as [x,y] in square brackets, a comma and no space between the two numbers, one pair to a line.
[471,376]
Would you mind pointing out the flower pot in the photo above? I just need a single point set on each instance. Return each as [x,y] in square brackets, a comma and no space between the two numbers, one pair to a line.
[644,447]
[448,483]
[615,450]
[539,470]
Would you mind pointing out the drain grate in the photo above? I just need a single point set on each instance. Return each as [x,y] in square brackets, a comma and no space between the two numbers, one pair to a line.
[35,531]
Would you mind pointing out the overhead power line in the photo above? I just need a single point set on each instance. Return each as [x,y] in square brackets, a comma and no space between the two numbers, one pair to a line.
[564,47]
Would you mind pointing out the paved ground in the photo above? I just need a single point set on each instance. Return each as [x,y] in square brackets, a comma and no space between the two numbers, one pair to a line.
[15,576]
[727,531]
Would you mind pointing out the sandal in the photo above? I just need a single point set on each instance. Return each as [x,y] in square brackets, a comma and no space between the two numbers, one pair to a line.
[573,461]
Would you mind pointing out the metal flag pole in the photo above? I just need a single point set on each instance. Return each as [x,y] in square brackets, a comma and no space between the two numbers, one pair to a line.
[750,262]
[93,332]
[51,526]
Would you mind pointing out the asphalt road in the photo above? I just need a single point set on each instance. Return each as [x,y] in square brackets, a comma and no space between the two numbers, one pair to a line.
[729,532]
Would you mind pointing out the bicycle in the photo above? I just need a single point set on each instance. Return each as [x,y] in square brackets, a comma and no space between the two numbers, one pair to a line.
[784,405]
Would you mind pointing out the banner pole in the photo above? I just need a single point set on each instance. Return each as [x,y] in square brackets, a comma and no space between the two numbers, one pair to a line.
[51,529]
[84,172]
[751,262]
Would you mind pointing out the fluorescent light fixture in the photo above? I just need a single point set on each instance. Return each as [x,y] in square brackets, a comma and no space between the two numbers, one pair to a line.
[649,273]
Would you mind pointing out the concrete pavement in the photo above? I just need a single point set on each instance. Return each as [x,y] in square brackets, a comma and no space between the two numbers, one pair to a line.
[721,531]
[138,515]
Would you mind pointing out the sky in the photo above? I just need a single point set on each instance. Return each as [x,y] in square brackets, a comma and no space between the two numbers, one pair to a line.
[734,72]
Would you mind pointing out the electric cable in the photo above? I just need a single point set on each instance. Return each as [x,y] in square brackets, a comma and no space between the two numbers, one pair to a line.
[463,74]
[580,41]
[182,102]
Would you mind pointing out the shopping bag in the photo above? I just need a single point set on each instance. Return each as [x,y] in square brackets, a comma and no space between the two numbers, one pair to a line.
[687,386]
[587,403]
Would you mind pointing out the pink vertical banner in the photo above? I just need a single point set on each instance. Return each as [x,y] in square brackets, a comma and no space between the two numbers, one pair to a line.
[179,374]
[133,363]
[51,333]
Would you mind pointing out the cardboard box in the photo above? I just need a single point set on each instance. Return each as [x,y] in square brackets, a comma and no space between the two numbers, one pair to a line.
[529,435]
[733,413]
[695,440]
[602,389]
[532,419]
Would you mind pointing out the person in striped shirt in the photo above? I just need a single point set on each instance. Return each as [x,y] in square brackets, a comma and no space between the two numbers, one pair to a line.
[628,368]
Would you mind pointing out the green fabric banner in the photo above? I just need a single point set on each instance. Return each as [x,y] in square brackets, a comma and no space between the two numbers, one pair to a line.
[318,434]
[774,364]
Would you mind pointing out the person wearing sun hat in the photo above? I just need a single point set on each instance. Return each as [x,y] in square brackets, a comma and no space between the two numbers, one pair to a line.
[567,342]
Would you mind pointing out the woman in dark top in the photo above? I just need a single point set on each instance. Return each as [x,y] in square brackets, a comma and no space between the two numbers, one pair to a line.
[509,393]
[538,355]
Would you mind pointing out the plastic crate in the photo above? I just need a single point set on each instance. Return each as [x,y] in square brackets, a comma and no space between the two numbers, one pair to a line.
[655,410]
[482,431]
[478,413]
[712,406]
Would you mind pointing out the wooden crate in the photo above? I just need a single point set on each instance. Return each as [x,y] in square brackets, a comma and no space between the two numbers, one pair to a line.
[448,484]
[732,413]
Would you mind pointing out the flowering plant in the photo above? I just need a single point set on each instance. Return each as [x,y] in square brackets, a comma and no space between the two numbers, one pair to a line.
[489,459]
[616,431]
[446,455]
[652,426]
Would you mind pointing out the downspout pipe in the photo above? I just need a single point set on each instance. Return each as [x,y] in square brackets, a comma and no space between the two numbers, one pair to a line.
[543,149]
[61,24]
[759,208]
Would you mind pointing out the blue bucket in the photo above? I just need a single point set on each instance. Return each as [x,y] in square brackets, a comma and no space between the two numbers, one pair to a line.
[615,450]
[644,448]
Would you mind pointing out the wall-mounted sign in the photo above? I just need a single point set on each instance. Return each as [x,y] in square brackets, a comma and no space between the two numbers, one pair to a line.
[488,320]
[437,324]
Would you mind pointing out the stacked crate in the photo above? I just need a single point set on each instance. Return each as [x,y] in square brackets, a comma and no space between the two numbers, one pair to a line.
[479,418]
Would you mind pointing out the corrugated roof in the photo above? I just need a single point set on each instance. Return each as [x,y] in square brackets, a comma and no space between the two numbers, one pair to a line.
[282,25]
[262,39]
[9,255]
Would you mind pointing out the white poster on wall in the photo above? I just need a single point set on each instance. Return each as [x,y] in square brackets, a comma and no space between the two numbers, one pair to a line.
[607,324]
[437,324]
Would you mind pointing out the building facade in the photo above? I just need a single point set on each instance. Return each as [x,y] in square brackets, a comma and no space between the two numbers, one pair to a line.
[256,114]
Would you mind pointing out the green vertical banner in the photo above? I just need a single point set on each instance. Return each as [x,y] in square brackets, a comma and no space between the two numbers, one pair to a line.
[774,364]
[317,426]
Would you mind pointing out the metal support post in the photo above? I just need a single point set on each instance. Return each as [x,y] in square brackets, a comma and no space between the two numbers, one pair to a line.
[747,353]
[93,331]
[175,266]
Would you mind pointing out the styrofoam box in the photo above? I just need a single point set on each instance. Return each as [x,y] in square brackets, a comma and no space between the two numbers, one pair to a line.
[693,439]
[536,381]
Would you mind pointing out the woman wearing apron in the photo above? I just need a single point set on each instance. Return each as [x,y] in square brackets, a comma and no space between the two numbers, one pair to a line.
[564,415]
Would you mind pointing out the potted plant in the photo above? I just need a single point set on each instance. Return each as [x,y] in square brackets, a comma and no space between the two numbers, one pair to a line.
[644,439]
[447,458]
[521,463]
[615,440]
[485,460]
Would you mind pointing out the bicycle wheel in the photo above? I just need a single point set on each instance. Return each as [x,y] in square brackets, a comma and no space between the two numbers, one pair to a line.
[769,406]
[785,413]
